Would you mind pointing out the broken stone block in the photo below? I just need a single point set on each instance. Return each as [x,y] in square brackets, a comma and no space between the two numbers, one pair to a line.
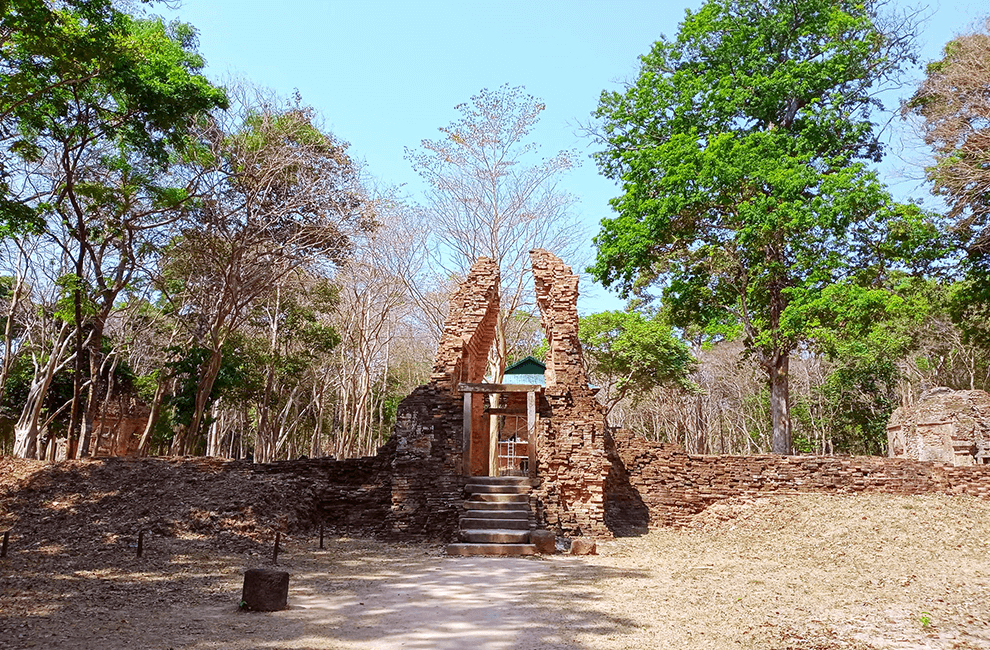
[265,590]
[544,540]
[583,546]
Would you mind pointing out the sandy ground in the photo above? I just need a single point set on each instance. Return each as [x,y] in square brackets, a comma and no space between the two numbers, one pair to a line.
[869,572]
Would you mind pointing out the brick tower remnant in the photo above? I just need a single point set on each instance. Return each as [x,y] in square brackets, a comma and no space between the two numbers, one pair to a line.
[572,458]
[427,470]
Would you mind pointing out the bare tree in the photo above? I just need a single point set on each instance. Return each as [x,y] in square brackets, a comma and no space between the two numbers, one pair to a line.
[953,103]
[286,196]
[490,195]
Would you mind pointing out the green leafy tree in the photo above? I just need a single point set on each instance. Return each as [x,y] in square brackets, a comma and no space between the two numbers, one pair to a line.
[742,149]
[630,355]
[285,198]
[95,104]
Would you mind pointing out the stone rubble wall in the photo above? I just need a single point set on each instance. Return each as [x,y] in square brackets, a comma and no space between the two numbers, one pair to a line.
[665,486]
[571,458]
[951,426]
[347,496]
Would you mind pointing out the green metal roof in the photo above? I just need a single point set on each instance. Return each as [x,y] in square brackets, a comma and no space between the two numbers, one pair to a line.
[526,371]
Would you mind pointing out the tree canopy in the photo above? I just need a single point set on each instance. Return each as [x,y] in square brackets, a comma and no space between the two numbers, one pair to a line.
[743,149]
[630,355]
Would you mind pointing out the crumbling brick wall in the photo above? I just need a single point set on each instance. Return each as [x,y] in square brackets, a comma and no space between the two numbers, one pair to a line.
[427,480]
[593,481]
[571,457]
[951,426]
[118,427]
[672,485]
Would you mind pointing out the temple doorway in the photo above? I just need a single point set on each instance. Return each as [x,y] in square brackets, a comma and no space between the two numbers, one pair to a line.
[500,422]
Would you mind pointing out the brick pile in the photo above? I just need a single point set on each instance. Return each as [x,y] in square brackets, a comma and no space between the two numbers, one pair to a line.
[672,485]
[571,457]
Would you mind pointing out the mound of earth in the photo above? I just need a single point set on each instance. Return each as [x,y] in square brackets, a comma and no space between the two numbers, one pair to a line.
[92,504]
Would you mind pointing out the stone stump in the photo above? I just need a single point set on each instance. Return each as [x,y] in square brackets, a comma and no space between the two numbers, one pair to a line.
[265,590]
[544,540]
[583,546]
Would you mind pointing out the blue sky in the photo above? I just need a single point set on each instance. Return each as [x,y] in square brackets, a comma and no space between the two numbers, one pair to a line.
[387,74]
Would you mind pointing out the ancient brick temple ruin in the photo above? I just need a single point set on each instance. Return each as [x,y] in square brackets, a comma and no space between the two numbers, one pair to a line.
[443,435]
[582,478]
[950,426]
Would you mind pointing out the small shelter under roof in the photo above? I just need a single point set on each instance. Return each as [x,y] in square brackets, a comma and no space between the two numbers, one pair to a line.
[501,437]
[529,371]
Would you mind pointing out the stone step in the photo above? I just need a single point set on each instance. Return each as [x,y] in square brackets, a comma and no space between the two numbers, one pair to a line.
[522,513]
[499,498]
[473,523]
[495,536]
[504,480]
[498,506]
[491,549]
[478,488]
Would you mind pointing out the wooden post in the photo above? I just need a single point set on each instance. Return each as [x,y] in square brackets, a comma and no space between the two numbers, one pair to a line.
[466,446]
[140,548]
[321,535]
[6,539]
[278,536]
[531,431]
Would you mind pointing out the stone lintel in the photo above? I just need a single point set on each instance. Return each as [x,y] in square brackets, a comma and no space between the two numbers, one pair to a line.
[499,388]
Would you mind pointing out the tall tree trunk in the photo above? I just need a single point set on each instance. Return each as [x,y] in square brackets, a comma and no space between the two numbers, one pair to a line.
[779,403]
[183,444]
[26,428]
[77,428]
[96,383]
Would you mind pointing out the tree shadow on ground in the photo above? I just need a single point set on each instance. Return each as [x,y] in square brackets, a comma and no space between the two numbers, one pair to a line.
[354,594]
[362,594]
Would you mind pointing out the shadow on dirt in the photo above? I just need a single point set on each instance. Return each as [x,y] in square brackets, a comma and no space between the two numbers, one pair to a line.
[354,594]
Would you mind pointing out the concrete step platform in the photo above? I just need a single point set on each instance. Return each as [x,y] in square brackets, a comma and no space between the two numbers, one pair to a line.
[495,536]
[494,524]
[522,513]
[500,498]
[491,549]
[478,488]
[496,506]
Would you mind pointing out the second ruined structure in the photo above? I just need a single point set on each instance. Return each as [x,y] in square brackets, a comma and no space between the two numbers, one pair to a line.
[950,426]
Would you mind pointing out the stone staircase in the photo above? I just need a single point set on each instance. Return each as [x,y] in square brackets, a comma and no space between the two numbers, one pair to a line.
[497,519]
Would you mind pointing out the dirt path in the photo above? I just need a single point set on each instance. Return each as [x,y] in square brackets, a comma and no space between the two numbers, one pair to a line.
[786,573]
[436,603]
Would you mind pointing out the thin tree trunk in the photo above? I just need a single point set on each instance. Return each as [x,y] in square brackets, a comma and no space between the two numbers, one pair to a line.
[149,428]
[8,332]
